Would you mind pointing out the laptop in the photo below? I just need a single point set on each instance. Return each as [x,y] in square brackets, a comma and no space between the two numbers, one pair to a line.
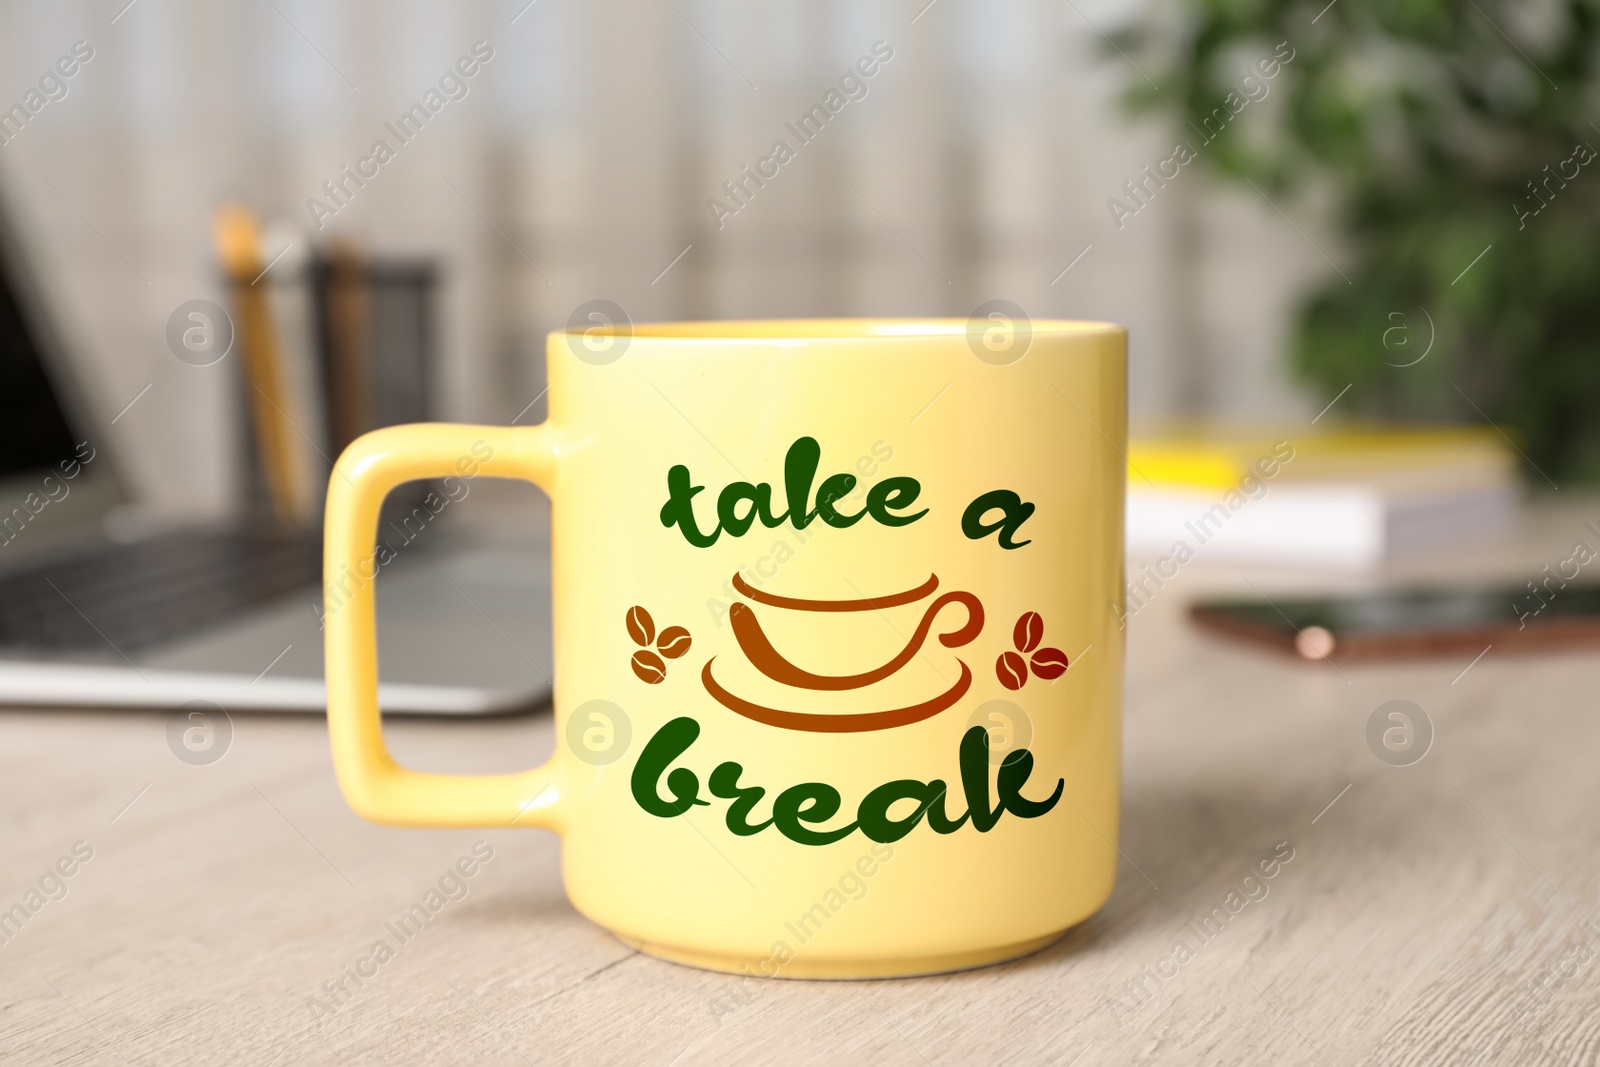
[98,612]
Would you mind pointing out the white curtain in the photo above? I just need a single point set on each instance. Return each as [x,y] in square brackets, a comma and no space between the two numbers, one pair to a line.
[578,165]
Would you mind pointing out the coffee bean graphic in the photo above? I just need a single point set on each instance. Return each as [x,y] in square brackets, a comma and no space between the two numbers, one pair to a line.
[649,667]
[1029,632]
[1012,670]
[1049,663]
[674,642]
[641,627]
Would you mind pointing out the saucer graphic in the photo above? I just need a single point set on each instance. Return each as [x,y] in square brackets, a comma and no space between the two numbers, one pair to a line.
[753,642]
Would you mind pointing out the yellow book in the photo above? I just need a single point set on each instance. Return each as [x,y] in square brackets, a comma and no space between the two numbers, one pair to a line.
[1386,457]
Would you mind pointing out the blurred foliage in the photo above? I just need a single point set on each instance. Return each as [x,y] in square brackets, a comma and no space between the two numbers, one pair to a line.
[1431,128]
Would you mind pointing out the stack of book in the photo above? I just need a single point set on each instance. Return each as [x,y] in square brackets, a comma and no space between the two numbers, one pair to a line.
[1343,496]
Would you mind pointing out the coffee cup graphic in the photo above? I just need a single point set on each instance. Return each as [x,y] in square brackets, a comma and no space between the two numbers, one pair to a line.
[759,650]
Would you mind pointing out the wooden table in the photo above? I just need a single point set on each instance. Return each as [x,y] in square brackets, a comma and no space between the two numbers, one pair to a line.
[1443,912]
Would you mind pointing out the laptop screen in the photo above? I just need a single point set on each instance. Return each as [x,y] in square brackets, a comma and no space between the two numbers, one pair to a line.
[33,428]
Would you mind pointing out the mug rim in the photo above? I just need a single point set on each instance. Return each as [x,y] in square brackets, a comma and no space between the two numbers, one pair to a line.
[810,330]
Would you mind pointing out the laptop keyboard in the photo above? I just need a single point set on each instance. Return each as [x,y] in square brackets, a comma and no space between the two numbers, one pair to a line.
[136,595]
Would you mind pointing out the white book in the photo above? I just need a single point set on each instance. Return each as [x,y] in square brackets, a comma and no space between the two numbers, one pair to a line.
[1333,524]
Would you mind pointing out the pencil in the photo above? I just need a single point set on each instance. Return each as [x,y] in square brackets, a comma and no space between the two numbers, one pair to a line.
[238,242]
[350,376]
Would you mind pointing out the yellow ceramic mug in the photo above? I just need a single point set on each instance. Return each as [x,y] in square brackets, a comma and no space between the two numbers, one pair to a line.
[838,673]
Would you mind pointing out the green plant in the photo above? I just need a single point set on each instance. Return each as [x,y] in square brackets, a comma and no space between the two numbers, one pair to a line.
[1433,127]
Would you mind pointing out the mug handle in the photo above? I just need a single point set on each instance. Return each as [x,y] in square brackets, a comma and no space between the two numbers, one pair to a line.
[374,785]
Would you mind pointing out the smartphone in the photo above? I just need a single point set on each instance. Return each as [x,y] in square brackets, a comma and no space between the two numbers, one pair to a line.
[1412,622]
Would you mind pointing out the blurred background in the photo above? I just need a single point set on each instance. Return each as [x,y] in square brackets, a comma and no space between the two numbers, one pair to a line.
[579,165]
[1316,243]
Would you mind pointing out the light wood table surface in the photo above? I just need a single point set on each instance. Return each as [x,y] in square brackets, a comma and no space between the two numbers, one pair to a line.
[1444,912]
